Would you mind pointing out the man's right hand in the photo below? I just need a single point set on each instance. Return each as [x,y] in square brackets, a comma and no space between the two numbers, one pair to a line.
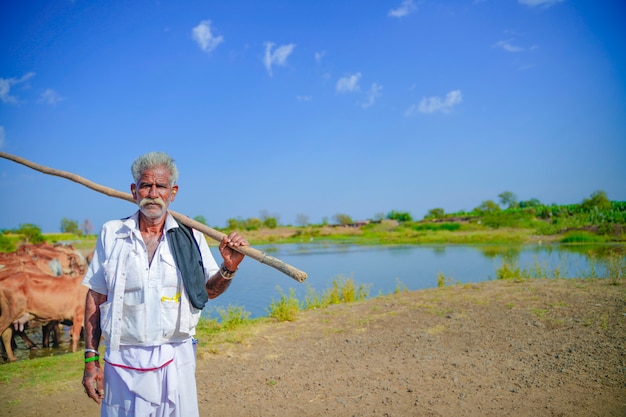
[93,381]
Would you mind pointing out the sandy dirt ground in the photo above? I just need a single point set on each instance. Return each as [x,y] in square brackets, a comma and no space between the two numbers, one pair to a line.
[498,348]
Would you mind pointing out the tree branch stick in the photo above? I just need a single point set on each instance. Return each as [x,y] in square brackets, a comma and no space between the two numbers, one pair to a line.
[253,253]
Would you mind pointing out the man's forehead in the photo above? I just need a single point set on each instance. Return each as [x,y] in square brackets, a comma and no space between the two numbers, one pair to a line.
[155,175]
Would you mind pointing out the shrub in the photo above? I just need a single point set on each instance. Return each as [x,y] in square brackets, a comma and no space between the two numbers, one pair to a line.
[233,317]
[7,244]
[581,237]
[451,227]
[285,309]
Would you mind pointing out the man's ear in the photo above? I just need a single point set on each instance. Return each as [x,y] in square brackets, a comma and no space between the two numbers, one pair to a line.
[174,191]
[133,190]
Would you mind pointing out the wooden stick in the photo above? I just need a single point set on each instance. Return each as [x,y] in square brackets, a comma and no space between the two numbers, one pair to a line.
[253,253]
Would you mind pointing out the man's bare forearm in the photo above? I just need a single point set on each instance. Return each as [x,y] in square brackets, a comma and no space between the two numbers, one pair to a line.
[93,332]
[217,285]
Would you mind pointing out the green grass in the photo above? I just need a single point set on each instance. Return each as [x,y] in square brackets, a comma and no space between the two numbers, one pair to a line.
[44,375]
[582,237]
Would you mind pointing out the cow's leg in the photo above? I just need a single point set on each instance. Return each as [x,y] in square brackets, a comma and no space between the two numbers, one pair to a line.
[75,334]
[77,326]
[51,329]
[27,341]
[55,333]
[7,336]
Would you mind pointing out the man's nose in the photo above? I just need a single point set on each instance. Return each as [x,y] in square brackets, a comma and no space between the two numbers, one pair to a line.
[153,192]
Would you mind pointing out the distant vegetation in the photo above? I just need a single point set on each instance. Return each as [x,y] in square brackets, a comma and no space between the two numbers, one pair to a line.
[595,219]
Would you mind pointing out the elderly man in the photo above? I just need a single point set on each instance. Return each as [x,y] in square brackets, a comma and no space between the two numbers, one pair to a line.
[148,281]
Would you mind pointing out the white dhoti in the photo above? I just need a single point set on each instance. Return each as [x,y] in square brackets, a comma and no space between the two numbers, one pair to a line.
[155,381]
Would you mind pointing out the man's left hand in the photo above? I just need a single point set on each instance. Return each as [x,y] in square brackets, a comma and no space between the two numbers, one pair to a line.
[232,258]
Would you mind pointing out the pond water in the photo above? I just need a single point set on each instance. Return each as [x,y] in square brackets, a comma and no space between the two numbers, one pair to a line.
[383,269]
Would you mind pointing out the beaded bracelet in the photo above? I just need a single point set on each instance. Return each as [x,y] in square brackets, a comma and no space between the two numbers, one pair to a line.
[92,359]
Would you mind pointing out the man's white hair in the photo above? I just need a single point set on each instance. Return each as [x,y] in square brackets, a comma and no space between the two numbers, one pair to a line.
[153,160]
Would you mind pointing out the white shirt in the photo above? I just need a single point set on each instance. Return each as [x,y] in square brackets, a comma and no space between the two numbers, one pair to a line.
[146,302]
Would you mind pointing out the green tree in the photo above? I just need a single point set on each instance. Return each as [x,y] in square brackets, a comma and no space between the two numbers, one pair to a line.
[379,216]
[31,233]
[270,223]
[253,224]
[533,202]
[508,199]
[269,220]
[234,224]
[597,200]
[343,219]
[436,213]
[69,226]
[6,244]
[401,216]
[200,219]
[488,206]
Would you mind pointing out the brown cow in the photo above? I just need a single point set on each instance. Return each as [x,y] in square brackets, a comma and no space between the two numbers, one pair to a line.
[47,258]
[46,298]
[36,259]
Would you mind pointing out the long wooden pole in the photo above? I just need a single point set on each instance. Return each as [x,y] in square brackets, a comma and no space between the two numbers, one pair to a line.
[253,253]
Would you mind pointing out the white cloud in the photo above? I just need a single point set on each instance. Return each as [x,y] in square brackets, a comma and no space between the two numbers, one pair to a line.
[349,84]
[374,92]
[541,3]
[2,136]
[7,83]
[204,37]
[436,104]
[509,47]
[319,56]
[278,56]
[406,7]
[304,98]
[50,97]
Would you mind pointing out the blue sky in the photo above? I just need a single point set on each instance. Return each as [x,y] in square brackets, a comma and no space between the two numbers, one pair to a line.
[313,108]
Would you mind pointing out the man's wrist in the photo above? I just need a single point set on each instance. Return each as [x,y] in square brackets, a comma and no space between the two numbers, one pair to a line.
[93,360]
[94,351]
[227,273]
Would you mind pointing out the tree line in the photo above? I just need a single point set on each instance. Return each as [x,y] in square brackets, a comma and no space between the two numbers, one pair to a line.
[596,210]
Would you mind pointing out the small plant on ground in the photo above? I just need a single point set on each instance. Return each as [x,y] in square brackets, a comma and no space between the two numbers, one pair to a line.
[286,308]
[233,317]
[442,280]
[400,287]
[343,291]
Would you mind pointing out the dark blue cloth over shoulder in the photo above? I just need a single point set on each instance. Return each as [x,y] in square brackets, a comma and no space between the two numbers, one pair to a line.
[189,261]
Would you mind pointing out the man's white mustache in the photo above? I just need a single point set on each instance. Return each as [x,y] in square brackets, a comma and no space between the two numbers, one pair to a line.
[146,201]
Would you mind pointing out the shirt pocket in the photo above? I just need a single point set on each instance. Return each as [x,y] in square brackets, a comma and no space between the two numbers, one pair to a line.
[134,330]
[136,271]
[169,270]
[170,316]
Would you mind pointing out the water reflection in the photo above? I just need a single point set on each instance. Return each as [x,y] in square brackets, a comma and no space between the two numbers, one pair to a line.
[34,332]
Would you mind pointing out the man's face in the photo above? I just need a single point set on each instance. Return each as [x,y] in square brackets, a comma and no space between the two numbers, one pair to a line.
[153,193]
